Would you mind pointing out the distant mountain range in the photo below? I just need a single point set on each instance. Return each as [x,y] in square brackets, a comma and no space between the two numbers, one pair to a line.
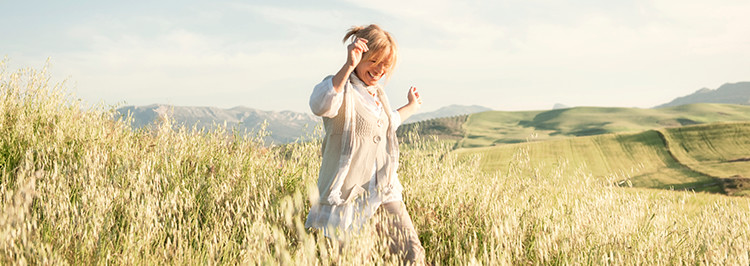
[284,126]
[733,93]
[288,126]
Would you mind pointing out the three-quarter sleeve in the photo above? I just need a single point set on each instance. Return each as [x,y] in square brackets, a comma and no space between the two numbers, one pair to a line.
[325,101]
[395,119]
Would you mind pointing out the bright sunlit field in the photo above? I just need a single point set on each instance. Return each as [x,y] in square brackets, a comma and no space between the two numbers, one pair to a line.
[78,187]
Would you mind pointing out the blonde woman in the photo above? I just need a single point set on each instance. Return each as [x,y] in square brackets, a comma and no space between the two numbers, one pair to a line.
[357,178]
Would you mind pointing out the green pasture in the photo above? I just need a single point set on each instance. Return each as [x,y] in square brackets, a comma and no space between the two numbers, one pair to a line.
[640,159]
[693,157]
[720,150]
[498,127]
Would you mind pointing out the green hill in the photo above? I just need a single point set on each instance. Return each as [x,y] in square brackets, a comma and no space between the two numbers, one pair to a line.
[721,150]
[445,128]
[498,127]
[701,157]
[694,146]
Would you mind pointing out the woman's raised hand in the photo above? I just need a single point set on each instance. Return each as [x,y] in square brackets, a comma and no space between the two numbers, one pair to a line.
[413,96]
[356,49]
[415,103]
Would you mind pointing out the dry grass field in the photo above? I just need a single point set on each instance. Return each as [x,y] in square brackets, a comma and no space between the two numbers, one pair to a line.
[77,187]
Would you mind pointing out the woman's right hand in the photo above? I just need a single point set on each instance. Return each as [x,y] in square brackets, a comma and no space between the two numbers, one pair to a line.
[356,49]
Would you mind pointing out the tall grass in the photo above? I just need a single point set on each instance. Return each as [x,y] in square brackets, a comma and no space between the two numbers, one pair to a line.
[78,187]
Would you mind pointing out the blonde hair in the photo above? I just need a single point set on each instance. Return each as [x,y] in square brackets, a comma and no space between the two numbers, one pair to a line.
[382,46]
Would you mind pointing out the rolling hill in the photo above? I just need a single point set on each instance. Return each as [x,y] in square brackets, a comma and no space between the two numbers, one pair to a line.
[702,147]
[498,127]
[716,149]
[710,157]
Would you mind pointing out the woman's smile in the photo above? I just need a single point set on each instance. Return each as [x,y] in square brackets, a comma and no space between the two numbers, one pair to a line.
[370,72]
[376,77]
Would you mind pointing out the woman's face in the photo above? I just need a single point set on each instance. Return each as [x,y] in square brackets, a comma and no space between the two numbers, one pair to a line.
[370,72]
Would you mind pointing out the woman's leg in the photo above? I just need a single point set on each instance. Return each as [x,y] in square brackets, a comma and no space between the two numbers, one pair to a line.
[398,226]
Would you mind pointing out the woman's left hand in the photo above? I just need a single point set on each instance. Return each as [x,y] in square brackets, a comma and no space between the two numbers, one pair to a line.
[415,103]
[413,96]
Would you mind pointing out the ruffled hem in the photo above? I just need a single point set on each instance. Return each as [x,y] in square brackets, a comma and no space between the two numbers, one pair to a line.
[335,198]
[337,220]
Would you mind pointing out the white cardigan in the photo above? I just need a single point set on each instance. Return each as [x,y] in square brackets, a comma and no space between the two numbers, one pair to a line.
[326,102]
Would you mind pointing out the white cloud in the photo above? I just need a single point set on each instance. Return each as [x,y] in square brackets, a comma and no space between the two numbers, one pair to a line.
[509,55]
[296,18]
[663,49]
[455,23]
[188,68]
[709,27]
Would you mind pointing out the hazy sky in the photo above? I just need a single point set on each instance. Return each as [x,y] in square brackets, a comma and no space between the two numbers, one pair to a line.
[506,55]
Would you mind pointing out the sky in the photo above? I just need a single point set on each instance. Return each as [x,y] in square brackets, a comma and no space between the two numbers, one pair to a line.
[505,55]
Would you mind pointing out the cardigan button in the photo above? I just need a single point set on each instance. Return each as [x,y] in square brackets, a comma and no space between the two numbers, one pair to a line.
[376,139]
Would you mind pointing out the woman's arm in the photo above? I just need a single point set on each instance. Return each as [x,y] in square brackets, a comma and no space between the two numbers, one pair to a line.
[324,100]
[415,103]
[356,49]
[326,97]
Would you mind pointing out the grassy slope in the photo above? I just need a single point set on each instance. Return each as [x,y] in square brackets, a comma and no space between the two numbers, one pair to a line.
[640,158]
[446,128]
[720,150]
[693,157]
[483,129]
[497,127]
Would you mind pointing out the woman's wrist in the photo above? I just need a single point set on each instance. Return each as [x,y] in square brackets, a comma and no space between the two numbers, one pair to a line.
[340,78]
[410,107]
[347,68]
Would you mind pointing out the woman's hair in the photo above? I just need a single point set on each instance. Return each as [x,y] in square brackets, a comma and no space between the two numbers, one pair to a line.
[382,46]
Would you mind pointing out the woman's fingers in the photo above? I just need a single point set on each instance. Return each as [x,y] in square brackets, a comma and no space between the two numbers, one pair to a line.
[361,44]
[414,95]
[356,49]
[363,47]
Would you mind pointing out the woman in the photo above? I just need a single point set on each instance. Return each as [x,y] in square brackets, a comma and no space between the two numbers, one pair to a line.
[360,150]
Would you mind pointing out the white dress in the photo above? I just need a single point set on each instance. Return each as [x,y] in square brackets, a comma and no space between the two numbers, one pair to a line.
[326,102]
